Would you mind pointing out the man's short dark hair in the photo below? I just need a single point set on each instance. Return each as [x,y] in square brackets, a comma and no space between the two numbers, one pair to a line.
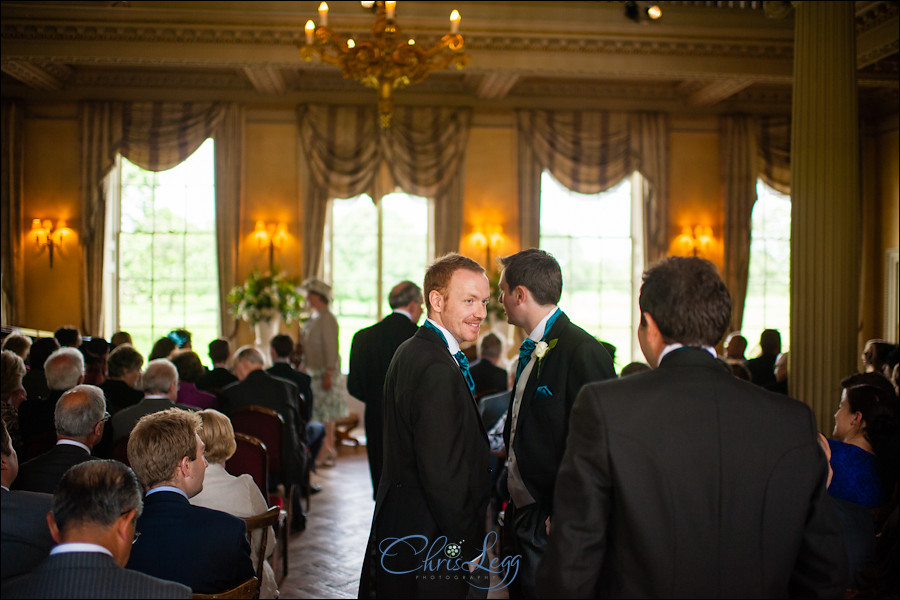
[41,350]
[188,364]
[439,274]
[404,293]
[124,359]
[219,350]
[770,341]
[491,346]
[537,271]
[688,300]
[67,335]
[95,492]
[282,345]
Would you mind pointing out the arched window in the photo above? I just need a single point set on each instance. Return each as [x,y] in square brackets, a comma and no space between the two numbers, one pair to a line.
[161,253]
[368,249]
[768,302]
[598,242]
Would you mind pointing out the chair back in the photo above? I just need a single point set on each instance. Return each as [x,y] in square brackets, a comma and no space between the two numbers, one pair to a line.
[248,589]
[492,408]
[251,457]
[266,425]
[262,521]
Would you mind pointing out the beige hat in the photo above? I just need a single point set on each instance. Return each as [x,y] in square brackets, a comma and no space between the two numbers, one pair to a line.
[319,287]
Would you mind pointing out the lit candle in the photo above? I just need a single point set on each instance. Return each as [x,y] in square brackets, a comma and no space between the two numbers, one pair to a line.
[390,6]
[454,22]
[323,14]
[310,30]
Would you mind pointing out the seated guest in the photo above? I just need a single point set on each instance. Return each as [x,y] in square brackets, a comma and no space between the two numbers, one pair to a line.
[633,368]
[762,368]
[80,416]
[238,496]
[93,514]
[35,382]
[190,369]
[488,377]
[255,386]
[160,382]
[206,550]
[25,538]
[12,394]
[20,344]
[162,348]
[119,338]
[64,369]
[181,337]
[735,346]
[96,353]
[122,387]
[781,374]
[313,432]
[68,336]
[217,378]
[875,356]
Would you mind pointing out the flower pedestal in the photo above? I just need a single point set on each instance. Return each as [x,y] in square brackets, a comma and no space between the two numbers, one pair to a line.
[265,331]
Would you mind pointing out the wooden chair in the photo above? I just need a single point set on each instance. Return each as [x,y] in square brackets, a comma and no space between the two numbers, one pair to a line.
[342,429]
[262,521]
[248,589]
[268,426]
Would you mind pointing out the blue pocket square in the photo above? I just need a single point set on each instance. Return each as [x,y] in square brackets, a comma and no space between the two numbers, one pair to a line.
[543,392]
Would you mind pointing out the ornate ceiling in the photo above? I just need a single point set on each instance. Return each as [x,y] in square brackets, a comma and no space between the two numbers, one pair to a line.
[699,57]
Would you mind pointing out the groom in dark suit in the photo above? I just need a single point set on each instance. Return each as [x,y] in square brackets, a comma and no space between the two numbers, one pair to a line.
[370,356]
[428,528]
[685,481]
[555,361]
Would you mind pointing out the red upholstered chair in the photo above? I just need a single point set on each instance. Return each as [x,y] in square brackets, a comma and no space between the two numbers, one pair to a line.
[250,457]
[120,450]
[267,426]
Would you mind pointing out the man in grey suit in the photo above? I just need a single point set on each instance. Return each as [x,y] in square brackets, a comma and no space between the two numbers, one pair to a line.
[685,481]
[93,516]
[26,540]
[160,383]
[80,417]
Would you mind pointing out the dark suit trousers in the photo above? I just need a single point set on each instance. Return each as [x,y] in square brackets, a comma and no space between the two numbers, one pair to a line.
[525,534]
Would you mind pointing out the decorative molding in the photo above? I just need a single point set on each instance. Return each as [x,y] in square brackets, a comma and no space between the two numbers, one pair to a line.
[494,86]
[267,80]
[45,76]
[716,91]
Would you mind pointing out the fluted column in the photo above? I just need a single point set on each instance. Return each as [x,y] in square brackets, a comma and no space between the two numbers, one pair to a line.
[825,214]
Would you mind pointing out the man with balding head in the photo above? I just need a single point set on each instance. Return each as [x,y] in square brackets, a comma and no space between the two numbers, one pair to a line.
[80,417]
[64,369]
[256,386]
[160,382]
[370,356]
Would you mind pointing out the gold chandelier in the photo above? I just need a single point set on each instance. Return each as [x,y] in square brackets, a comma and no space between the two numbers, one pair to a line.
[389,60]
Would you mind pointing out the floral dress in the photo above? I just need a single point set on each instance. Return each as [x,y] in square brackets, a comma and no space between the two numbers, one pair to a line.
[320,348]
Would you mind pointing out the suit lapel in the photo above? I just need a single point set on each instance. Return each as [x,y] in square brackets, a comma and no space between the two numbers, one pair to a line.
[562,322]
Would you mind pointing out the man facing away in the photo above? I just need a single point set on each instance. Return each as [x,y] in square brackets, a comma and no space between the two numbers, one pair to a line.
[489,378]
[219,376]
[205,549]
[160,383]
[555,361]
[762,368]
[80,419]
[685,481]
[370,356]
[93,519]
[434,489]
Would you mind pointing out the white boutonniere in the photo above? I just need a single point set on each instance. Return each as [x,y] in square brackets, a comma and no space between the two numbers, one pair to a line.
[541,350]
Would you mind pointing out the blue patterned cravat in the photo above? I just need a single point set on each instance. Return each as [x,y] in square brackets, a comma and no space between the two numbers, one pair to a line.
[525,351]
[464,367]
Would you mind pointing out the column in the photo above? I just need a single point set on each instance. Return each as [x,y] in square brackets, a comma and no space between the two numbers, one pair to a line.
[825,215]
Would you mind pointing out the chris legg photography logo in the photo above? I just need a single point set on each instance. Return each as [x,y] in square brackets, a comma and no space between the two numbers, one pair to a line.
[440,559]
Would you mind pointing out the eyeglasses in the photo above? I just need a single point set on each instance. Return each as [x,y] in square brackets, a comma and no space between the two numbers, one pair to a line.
[137,534]
[106,417]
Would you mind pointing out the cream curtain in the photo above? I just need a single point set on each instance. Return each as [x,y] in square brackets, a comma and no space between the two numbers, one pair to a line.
[345,145]
[229,140]
[11,216]
[773,139]
[591,151]
[153,135]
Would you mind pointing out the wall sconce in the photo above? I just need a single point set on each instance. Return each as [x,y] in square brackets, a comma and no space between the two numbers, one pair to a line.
[635,12]
[489,239]
[272,236]
[696,240]
[47,236]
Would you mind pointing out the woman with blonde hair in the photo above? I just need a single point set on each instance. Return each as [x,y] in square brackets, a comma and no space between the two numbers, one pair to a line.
[238,496]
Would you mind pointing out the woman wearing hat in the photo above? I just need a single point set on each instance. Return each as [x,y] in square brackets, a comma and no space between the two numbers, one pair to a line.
[323,363]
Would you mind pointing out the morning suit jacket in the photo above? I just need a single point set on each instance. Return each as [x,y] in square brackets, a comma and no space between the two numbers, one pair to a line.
[206,550]
[436,477]
[124,421]
[488,377]
[370,356]
[90,575]
[303,383]
[25,539]
[119,395]
[280,395]
[214,380]
[685,481]
[575,360]
[42,473]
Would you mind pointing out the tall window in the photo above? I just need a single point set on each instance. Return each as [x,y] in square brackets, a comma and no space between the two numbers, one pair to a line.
[768,303]
[598,241]
[368,249]
[162,253]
